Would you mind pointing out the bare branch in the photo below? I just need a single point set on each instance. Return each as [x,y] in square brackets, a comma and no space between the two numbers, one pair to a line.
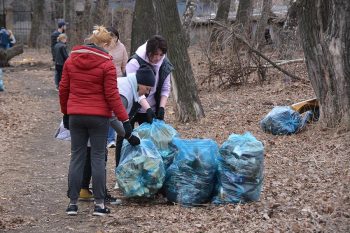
[241,39]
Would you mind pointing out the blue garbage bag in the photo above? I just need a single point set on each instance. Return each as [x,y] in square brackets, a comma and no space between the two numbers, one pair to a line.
[240,170]
[141,172]
[283,120]
[161,134]
[190,179]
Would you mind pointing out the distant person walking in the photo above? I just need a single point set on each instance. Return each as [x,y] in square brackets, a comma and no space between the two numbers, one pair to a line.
[61,56]
[88,95]
[4,38]
[61,28]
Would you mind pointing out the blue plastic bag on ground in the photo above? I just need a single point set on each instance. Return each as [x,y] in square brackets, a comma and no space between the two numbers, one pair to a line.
[240,170]
[161,134]
[191,177]
[141,172]
[283,120]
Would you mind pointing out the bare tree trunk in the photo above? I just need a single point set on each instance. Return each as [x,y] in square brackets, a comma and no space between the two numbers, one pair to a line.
[188,106]
[191,6]
[70,18]
[243,14]
[259,35]
[291,20]
[144,24]
[100,13]
[221,16]
[324,28]
[7,54]
[37,22]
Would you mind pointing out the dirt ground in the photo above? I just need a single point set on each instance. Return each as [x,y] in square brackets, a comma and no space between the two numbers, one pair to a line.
[307,179]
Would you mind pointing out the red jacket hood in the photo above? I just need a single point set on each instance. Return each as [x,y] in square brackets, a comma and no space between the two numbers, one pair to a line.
[86,57]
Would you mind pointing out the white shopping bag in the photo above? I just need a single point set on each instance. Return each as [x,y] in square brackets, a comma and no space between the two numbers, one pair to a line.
[62,133]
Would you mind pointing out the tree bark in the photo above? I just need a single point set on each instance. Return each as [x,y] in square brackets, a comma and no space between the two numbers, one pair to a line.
[70,18]
[259,36]
[324,28]
[191,6]
[221,16]
[7,54]
[100,13]
[291,21]
[37,22]
[187,103]
[243,14]
[144,24]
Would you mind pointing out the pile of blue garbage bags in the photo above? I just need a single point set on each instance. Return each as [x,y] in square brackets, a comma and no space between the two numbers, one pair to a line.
[191,171]
[283,120]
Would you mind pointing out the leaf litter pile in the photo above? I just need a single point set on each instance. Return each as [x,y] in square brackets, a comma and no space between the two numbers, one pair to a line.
[306,186]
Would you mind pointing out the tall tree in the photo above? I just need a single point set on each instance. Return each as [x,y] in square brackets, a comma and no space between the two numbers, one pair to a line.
[221,16]
[144,23]
[37,22]
[191,6]
[223,10]
[188,105]
[260,29]
[325,33]
[244,12]
[100,13]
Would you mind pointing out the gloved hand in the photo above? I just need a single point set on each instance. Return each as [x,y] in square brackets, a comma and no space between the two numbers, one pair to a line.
[150,115]
[133,140]
[127,129]
[66,121]
[160,115]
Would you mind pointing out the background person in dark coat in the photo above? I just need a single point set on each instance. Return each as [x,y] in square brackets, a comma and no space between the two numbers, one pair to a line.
[60,29]
[61,56]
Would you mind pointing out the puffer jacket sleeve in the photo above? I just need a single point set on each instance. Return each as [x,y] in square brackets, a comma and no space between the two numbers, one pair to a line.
[112,93]
[64,89]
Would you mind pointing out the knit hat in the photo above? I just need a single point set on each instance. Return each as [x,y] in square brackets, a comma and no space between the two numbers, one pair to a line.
[145,76]
[61,24]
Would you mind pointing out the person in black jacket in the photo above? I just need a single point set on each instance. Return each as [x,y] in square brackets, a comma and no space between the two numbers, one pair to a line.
[61,55]
[61,27]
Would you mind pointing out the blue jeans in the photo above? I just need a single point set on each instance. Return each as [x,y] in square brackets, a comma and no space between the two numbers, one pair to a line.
[111,135]
[57,78]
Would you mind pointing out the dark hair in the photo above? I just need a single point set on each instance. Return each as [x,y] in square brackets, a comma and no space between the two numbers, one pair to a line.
[113,31]
[154,43]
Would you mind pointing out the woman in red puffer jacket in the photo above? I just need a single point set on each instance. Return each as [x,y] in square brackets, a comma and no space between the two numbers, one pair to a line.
[88,95]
